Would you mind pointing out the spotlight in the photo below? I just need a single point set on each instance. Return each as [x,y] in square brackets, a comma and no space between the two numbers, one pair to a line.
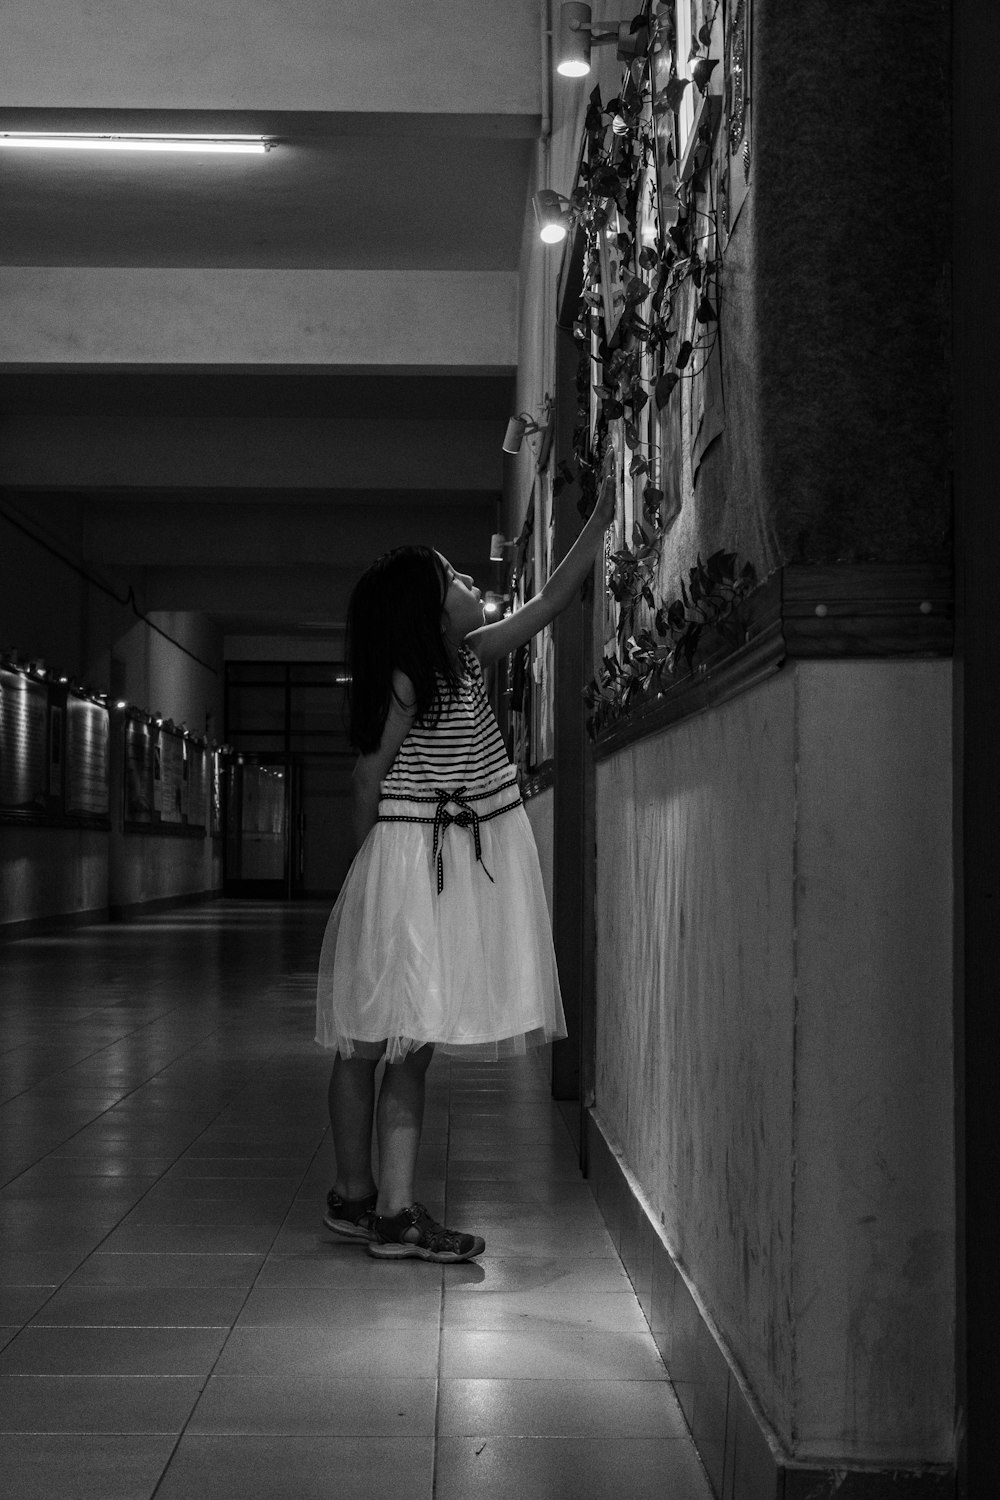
[550,215]
[574,40]
[497,544]
[523,425]
[578,32]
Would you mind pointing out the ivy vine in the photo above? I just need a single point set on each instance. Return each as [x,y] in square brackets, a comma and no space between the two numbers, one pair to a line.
[654,655]
[649,355]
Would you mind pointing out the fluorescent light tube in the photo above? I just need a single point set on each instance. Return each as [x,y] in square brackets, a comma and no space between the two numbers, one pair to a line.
[199,144]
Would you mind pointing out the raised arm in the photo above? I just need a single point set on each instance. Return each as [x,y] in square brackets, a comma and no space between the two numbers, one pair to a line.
[490,642]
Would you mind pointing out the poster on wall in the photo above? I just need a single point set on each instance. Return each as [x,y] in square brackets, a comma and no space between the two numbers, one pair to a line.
[197,786]
[139,763]
[24,747]
[216,802]
[171,779]
[736,122]
[87,786]
[56,755]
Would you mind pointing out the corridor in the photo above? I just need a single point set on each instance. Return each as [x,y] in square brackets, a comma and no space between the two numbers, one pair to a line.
[178,1323]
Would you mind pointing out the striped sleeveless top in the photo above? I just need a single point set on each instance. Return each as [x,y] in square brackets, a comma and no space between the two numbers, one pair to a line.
[464,747]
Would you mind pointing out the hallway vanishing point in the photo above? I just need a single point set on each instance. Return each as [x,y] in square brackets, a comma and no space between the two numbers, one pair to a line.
[176,1320]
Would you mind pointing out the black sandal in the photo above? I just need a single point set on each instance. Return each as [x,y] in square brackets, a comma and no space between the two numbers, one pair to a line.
[350,1217]
[413,1232]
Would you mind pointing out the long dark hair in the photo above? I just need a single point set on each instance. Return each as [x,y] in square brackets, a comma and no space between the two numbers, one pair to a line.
[394,623]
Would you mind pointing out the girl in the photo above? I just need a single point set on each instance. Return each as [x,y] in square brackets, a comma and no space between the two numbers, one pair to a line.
[440,935]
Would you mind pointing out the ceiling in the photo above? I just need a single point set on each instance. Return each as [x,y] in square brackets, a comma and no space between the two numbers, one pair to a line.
[254,492]
[424,195]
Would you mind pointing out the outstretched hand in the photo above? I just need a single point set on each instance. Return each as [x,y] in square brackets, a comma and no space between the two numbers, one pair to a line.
[607,489]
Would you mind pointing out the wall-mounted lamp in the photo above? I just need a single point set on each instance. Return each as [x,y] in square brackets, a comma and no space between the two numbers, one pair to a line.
[523,425]
[551,215]
[494,603]
[498,544]
[578,32]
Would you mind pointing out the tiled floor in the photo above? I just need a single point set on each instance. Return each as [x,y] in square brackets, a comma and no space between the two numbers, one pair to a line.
[177,1322]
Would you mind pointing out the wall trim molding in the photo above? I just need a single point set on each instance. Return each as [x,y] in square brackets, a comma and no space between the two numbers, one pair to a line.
[541,779]
[61,921]
[834,612]
[742,1455]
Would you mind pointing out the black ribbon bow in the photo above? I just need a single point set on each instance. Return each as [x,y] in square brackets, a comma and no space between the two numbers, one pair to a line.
[466,817]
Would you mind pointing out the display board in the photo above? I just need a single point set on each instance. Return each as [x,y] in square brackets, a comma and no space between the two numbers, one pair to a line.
[171,782]
[140,740]
[54,762]
[24,744]
[87,790]
[61,750]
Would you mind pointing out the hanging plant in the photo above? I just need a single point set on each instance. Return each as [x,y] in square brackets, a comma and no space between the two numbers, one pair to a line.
[650,658]
[657,639]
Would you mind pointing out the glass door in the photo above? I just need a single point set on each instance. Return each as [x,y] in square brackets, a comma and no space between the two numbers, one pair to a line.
[257,828]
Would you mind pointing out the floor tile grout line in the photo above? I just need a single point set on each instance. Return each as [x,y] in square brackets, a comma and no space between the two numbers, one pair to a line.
[250,1290]
[441,1297]
[259,1069]
[95,1249]
[97,1052]
[101,1113]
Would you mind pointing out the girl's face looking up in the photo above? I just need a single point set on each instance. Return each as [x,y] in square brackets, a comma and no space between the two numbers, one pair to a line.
[463,604]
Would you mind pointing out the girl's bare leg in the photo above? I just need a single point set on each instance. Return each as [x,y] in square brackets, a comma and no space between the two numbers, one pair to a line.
[399,1120]
[352,1104]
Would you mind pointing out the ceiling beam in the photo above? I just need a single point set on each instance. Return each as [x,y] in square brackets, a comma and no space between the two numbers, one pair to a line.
[244,453]
[474,57]
[58,315]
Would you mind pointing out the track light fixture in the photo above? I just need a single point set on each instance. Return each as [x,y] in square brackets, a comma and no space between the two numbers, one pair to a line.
[551,214]
[524,425]
[578,32]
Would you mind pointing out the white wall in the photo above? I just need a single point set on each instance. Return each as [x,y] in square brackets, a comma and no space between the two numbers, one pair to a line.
[145,867]
[774,1045]
[48,872]
[696,1008]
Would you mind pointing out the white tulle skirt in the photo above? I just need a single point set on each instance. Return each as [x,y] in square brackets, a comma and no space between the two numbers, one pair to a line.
[470,968]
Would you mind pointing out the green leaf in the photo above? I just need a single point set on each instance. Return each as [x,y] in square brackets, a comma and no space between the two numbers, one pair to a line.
[683,354]
[674,92]
[706,312]
[705,34]
[702,72]
[663,388]
[679,234]
[638,466]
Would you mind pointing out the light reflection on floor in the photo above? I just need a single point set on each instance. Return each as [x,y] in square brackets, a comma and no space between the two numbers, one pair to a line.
[174,1316]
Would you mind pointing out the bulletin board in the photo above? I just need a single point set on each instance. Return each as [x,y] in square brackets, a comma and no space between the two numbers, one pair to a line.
[87,764]
[171,781]
[667,171]
[54,761]
[24,745]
